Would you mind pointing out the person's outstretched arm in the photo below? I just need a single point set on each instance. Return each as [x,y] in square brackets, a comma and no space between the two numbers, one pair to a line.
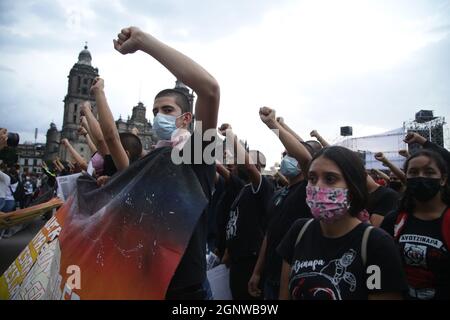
[242,155]
[414,137]
[319,138]
[394,169]
[90,123]
[253,284]
[284,281]
[3,138]
[283,180]
[83,132]
[108,126]
[75,155]
[281,121]
[292,144]
[223,171]
[382,175]
[182,67]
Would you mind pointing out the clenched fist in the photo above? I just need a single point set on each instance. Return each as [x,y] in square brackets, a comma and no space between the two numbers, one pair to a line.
[128,40]
[380,156]
[224,128]
[65,142]
[414,137]
[81,131]
[97,86]
[267,115]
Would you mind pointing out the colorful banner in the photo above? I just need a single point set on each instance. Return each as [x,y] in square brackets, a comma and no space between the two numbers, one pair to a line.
[121,241]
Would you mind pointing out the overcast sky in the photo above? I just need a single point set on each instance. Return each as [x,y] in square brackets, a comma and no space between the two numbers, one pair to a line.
[321,64]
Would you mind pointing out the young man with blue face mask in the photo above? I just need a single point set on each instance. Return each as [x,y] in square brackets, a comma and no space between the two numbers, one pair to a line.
[287,205]
[172,118]
[171,111]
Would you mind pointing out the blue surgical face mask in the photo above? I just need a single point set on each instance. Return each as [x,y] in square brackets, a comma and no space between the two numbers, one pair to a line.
[289,168]
[164,125]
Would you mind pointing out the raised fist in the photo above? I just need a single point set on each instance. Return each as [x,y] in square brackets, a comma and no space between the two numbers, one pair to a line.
[128,40]
[97,86]
[135,131]
[224,128]
[314,134]
[380,156]
[280,120]
[267,115]
[414,137]
[65,142]
[82,131]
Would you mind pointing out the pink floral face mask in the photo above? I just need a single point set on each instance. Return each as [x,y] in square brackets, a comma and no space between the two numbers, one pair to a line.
[327,204]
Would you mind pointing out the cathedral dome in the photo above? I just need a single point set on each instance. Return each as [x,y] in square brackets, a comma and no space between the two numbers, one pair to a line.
[85,56]
[52,127]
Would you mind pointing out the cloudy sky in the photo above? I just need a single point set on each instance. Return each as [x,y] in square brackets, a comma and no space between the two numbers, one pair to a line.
[369,64]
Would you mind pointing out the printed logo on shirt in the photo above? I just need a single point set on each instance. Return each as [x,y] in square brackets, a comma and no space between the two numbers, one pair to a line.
[327,283]
[307,264]
[421,239]
[232,224]
[415,255]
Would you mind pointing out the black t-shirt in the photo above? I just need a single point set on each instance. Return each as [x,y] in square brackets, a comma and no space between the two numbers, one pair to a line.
[212,213]
[382,201]
[109,168]
[425,256]
[287,206]
[232,188]
[332,269]
[248,220]
[192,268]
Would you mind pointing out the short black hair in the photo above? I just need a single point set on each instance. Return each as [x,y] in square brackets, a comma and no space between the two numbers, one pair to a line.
[313,146]
[181,98]
[407,201]
[354,174]
[132,144]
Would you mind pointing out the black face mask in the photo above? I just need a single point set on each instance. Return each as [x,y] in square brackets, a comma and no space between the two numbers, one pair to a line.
[395,185]
[423,189]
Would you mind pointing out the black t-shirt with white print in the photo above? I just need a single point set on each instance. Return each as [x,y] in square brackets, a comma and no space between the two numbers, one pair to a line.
[232,188]
[425,256]
[247,222]
[287,205]
[332,268]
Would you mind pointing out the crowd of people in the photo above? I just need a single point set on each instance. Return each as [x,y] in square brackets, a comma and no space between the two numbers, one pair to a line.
[322,227]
